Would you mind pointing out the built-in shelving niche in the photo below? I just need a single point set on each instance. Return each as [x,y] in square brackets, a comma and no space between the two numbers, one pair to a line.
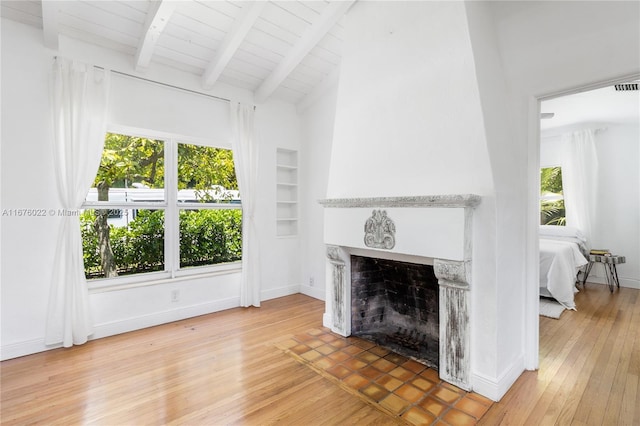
[286,193]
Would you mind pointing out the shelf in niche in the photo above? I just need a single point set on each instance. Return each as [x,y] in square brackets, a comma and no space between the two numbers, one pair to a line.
[286,192]
[287,157]
[286,228]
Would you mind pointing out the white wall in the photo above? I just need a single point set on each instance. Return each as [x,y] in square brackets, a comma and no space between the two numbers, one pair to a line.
[280,258]
[170,110]
[28,181]
[618,225]
[547,47]
[495,374]
[618,229]
[317,135]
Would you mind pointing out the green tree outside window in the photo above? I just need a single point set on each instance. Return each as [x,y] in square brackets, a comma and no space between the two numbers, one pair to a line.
[206,235]
[552,211]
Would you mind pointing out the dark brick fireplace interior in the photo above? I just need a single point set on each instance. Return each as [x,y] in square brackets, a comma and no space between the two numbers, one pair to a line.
[395,304]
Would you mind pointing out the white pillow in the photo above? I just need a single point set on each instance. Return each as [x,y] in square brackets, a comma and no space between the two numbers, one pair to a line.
[561,231]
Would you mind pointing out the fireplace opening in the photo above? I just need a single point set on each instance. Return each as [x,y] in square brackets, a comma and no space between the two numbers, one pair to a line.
[396,305]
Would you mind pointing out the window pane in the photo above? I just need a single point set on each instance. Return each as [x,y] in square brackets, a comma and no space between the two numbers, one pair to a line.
[552,210]
[206,175]
[209,237]
[131,169]
[130,243]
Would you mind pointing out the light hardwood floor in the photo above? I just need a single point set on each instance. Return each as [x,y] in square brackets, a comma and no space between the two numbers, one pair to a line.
[223,368]
[216,369]
[589,366]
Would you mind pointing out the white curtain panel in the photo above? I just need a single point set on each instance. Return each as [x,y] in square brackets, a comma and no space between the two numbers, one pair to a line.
[79,96]
[580,180]
[245,157]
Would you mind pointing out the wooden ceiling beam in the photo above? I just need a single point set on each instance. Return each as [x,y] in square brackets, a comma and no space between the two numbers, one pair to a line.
[50,24]
[157,18]
[307,42]
[241,27]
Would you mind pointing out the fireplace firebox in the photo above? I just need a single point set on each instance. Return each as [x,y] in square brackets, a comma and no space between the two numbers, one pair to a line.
[395,304]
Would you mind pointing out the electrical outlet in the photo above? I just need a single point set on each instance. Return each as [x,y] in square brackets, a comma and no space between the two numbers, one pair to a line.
[311,281]
[175,296]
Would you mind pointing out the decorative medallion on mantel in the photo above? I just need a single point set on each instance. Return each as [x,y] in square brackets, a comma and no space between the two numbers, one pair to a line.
[380,231]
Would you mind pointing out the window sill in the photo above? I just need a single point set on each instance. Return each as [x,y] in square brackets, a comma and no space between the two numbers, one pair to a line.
[159,278]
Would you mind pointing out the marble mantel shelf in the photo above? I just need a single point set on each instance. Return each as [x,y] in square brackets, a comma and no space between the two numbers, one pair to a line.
[449,200]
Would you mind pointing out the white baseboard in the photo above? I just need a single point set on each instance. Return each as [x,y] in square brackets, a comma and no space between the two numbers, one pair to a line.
[624,282]
[629,283]
[28,347]
[326,320]
[495,388]
[157,318]
[315,292]
[274,293]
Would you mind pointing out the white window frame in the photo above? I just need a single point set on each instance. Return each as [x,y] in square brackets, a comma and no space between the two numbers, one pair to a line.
[172,271]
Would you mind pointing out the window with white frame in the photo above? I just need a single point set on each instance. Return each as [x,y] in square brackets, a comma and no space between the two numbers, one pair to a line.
[552,210]
[161,206]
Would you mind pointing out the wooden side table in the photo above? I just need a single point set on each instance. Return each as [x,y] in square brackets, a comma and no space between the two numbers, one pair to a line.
[610,269]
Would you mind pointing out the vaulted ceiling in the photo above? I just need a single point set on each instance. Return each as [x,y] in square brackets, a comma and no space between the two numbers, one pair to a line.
[280,49]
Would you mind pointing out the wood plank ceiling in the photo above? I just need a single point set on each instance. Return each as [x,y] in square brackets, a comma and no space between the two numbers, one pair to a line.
[280,49]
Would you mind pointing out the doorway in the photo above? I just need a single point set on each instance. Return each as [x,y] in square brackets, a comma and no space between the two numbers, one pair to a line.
[571,112]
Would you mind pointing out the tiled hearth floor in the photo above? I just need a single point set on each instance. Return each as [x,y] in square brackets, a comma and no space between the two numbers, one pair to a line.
[393,383]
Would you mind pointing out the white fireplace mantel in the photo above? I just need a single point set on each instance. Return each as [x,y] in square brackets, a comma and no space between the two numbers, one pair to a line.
[455,200]
[430,226]
[434,228]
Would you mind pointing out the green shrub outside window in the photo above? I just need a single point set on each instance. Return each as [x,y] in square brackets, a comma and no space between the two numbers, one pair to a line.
[124,221]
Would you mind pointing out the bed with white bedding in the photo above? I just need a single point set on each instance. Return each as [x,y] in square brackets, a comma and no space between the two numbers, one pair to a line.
[562,254]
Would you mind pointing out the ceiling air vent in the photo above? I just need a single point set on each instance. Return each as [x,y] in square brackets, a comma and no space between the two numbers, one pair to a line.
[624,87]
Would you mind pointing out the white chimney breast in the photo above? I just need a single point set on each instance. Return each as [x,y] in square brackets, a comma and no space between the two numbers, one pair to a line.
[426,232]
[408,114]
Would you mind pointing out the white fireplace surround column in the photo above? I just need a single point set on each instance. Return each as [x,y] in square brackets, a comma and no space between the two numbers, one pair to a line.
[453,282]
[425,229]
[339,272]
